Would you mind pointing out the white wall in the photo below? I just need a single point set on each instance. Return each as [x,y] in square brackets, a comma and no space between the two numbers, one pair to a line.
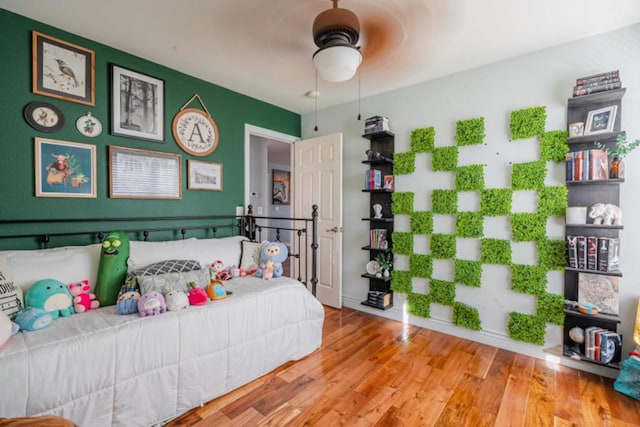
[544,78]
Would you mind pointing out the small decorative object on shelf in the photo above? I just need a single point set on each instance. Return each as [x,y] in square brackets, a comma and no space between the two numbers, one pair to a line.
[377,211]
[576,129]
[385,261]
[606,214]
[621,149]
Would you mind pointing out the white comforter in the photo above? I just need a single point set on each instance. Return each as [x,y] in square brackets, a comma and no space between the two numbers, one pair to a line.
[102,369]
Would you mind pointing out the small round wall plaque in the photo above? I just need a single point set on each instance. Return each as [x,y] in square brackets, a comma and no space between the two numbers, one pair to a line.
[195,132]
[43,116]
[89,125]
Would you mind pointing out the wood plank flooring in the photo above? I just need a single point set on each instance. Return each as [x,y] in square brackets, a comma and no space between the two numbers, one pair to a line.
[372,371]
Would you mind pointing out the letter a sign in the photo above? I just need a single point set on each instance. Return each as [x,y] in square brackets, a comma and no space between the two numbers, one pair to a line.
[195,131]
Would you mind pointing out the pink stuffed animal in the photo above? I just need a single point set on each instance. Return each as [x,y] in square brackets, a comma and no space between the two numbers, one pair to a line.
[83,300]
[219,272]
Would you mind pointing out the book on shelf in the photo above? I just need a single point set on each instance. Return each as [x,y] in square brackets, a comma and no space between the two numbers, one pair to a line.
[592,253]
[597,83]
[598,164]
[600,291]
[572,251]
[598,77]
[376,124]
[586,165]
[568,160]
[596,89]
[610,347]
[578,164]
[608,254]
[581,250]
[378,238]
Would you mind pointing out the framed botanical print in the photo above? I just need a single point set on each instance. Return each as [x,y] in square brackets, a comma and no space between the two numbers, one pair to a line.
[62,70]
[65,169]
[137,104]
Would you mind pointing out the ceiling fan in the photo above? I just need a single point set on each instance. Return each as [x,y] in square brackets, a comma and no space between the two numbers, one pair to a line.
[336,32]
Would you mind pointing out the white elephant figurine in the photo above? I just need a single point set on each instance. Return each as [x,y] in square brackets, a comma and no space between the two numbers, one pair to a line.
[606,214]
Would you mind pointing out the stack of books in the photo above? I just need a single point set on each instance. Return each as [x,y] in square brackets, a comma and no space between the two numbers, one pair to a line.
[586,165]
[373,179]
[602,345]
[593,253]
[376,124]
[597,83]
[378,238]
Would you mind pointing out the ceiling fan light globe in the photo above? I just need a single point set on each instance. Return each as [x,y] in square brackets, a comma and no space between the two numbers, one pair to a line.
[337,63]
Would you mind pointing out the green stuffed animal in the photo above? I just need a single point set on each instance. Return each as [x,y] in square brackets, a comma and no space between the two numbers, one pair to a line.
[112,269]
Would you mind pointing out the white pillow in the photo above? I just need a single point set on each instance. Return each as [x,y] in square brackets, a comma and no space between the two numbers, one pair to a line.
[250,254]
[226,249]
[143,253]
[67,264]
[11,299]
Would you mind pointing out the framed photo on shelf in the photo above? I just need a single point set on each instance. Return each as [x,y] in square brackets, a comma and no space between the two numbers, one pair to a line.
[281,183]
[144,174]
[62,70]
[601,120]
[137,105]
[600,291]
[204,175]
[65,169]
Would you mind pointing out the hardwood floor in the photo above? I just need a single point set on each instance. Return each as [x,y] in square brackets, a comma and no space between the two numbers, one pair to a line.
[372,371]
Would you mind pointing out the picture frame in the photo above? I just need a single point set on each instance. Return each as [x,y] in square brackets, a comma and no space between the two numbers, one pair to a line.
[43,116]
[144,174]
[137,104]
[204,175]
[65,169]
[281,187]
[600,291]
[62,70]
[601,120]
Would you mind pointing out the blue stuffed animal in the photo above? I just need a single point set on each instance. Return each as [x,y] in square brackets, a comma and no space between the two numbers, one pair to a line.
[50,295]
[277,253]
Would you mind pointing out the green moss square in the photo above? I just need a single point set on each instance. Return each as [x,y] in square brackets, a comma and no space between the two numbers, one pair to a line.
[442,292]
[470,178]
[402,242]
[553,146]
[552,201]
[467,272]
[420,266]
[401,281]
[528,176]
[528,227]
[402,203]
[419,305]
[470,132]
[404,163]
[469,224]
[496,202]
[528,122]
[443,246]
[495,251]
[444,202]
[552,254]
[526,328]
[528,279]
[422,140]
[466,316]
[551,308]
[444,159]
[421,223]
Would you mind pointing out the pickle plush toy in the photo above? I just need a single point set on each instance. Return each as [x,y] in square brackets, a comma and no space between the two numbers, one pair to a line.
[112,269]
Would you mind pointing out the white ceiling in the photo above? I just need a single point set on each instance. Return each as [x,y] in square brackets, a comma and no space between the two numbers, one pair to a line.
[263,48]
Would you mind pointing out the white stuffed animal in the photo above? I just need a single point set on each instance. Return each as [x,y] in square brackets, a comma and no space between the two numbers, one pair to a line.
[606,214]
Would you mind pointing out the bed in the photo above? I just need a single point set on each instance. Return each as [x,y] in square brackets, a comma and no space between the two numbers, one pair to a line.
[100,368]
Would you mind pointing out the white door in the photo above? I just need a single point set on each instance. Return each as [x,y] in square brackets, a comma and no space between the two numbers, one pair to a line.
[317,166]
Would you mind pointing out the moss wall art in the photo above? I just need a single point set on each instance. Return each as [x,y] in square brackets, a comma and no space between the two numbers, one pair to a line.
[492,202]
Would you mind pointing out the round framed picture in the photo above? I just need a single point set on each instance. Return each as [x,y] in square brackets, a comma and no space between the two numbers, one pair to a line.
[195,132]
[43,116]
[89,125]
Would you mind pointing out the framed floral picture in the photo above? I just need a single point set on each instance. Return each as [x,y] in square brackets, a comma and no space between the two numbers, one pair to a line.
[204,175]
[137,105]
[65,169]
[63,70]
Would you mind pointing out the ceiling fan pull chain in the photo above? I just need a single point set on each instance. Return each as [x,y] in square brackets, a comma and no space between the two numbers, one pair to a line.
[359,97]
[315,100]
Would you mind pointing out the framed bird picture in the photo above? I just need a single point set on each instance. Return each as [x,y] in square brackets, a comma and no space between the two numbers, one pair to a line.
[63,70]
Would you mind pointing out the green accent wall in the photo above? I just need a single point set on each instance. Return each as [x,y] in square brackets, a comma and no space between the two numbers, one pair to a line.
[230,110]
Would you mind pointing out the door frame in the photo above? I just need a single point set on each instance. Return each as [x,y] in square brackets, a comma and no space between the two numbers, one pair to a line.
[252,130]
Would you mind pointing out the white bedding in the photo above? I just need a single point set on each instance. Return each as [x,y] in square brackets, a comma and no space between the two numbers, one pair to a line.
[103,369]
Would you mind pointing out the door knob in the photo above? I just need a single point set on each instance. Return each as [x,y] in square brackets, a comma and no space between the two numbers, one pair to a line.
[335,229]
